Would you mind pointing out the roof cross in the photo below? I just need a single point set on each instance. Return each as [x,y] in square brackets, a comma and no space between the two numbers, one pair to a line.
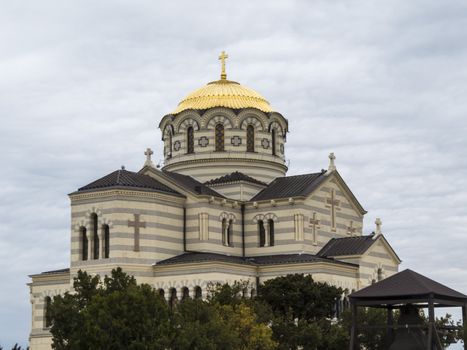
[222,57]
[148,153]
[378,223]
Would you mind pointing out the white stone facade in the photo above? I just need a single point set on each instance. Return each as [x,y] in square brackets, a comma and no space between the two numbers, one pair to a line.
[146,226]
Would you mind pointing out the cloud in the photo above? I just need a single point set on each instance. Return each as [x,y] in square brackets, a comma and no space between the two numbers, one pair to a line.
[84,86]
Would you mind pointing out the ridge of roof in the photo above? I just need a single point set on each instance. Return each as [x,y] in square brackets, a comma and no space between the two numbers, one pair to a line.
[191,184]
[291,186]
[194,257]
[234,177]
[128,179]
[355,245]
[407,283]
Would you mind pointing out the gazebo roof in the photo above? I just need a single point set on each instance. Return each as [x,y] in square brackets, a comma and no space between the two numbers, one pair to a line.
[406,286]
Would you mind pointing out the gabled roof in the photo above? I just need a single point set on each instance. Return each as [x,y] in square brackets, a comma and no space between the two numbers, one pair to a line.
[191,184]
[407,284]
[234,177]
[128,179]
[291,186]
[196,257]
[347,246]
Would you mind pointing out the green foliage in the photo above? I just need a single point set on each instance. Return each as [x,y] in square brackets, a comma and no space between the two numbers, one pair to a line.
[299,297]
[115,314]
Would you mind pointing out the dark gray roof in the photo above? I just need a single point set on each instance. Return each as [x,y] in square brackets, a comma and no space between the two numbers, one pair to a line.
[195,257]
[234,177]
[128,179]
[54,272]
[347,246]
[291,186]
[191,184]
[407,284]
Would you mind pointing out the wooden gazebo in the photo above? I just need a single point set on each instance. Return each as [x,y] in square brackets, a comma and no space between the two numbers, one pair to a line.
[408,288]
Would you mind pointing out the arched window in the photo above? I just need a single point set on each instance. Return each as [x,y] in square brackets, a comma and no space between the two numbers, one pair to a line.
[162,293]
[95,237]
[190,140]
[198,292]
[230,234]
[47,312]
[380,274]
[106,242]
[185,293]
[219,138]
[273,141]
[250,138]
[84,243]
[173,297]
[262,233]
[169,152]
[224,231]
[271,232]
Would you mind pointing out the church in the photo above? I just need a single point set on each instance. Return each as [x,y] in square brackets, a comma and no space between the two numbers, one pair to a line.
[220,209]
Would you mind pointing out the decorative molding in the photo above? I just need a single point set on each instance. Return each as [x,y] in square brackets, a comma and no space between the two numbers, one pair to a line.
[177,145]
[265,143]
[203,141]
[236,140]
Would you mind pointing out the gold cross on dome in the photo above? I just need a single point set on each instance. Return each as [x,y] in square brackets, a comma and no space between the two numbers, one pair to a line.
[222,57]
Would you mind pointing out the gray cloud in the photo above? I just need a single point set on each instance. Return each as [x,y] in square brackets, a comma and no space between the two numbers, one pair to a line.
[84,86]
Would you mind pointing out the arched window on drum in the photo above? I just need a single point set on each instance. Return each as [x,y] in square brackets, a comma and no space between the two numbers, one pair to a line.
[250,138]
[190,140]
[220,137]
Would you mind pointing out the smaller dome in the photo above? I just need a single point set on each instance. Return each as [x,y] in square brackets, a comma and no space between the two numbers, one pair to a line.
[223,93]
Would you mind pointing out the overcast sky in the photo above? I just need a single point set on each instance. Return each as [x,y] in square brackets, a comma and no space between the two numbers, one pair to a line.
[84,84]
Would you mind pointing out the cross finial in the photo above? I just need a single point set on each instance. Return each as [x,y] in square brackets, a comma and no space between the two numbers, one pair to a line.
[222,57]
[378,223]
[332,165]
[148,153]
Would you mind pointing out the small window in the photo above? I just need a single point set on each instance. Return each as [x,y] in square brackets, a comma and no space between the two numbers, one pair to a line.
[230,234]
[162,293]
[198,292]
[224,231]
[271,232]
[84,244]
[219,138]
[95,237]
[380,274]
[47,312]
[262,233]
[190,140]
[273,141]
[173,297]
[169,148]
[250,138]
[106,233]
[185,293]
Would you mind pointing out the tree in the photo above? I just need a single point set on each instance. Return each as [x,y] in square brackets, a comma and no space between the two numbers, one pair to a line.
[302,312]
[113,314]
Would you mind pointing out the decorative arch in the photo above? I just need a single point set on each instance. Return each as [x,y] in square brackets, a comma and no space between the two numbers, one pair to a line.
[227,216]
[252,113]
[190,120]
[265,217]
[251,120]
[218,116]
[275,125]
[168,130]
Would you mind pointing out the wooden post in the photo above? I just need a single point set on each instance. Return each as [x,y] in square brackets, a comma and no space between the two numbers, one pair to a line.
[431,323]
[464,324]
[353,329]
[390,329]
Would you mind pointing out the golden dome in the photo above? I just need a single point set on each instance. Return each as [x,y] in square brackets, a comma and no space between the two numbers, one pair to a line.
[224,93]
